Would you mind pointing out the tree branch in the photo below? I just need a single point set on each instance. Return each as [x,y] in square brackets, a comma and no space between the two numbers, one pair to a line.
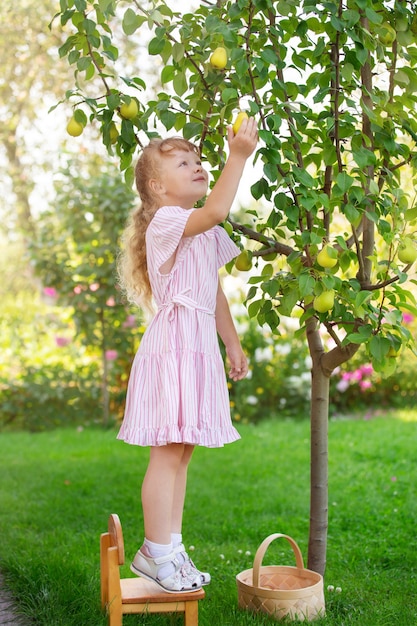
[338,355]
[364,274]
[272,246]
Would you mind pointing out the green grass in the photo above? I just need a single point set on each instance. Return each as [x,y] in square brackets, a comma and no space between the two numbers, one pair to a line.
[58,488]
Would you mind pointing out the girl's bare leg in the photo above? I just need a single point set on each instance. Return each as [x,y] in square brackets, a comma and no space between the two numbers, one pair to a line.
[163,490]
[180,490]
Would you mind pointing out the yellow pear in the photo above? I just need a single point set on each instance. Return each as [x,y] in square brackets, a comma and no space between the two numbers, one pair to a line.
[242,115]
[74,128]
[386,34]
[327,257]
[407,252]
[324,302]
[129,111]
[243,262]
[113,132]
[218,59]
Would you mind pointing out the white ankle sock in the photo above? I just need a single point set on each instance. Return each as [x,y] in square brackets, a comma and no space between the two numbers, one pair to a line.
[155,550]
[176,539]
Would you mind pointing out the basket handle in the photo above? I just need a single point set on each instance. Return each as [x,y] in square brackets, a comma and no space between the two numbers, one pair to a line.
[260,553]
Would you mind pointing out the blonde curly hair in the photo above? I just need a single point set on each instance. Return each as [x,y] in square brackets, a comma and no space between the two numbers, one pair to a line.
[132,263]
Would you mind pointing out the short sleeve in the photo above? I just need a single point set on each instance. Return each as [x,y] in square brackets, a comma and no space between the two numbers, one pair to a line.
[226,248]
[164,235]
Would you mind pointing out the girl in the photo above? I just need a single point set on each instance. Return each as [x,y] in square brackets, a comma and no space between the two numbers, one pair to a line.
[177,394]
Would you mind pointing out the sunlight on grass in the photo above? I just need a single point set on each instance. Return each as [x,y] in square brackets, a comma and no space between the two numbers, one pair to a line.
[59,487]
[406,415]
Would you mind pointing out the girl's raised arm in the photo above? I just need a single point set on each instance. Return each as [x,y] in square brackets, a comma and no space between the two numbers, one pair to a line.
[218,204]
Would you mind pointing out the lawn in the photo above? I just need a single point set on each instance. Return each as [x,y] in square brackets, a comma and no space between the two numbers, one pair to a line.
[58,488]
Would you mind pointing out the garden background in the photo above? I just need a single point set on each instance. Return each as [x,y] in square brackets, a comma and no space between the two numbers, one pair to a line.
[68,338]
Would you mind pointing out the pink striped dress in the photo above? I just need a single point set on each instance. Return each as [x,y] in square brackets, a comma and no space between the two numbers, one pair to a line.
[177,391]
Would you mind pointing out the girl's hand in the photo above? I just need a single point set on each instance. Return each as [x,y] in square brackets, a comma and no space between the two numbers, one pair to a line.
[238,363]
[246,138]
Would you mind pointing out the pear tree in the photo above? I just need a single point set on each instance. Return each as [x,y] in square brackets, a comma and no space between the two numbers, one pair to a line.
[333,85]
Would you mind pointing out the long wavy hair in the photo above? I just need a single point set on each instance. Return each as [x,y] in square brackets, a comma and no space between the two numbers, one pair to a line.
[132,263]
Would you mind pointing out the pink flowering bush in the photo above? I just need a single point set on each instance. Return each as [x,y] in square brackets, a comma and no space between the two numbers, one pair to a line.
[360,387]
[278,383]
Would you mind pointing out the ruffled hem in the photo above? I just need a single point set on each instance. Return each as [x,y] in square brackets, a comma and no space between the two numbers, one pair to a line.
[173,434]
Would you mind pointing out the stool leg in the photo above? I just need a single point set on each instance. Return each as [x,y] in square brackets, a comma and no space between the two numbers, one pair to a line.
[114,596]
[191,613]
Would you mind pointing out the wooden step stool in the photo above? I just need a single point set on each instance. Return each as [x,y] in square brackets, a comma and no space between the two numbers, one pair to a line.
[136,595]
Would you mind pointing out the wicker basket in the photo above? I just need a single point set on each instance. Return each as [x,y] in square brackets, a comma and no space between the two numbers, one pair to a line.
[281,591]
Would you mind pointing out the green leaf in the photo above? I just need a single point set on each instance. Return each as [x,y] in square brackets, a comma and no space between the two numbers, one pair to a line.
[180,83]
[410,214]
[344,181]
[361,53]
[167,74]
[192,130]
[131,22]
[355,338]
[180,121]
[351,213]
[269,56]
[254,307]
[228,94]
[107,6]
[272,319]
[362,297]
[260,189]
[113,101]
[67,46]
[267,270]
[89,26]
[73,56]
[178,51]
[130,176]
[80,116]
[168,119]
[303,177]
[288,302]
[379,347]
[364,157]
[362,335]
[156,46]
[306,285]
[90,71]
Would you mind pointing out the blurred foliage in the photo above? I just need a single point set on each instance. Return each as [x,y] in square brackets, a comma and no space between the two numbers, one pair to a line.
[49,378]
[76,352]
[279,380]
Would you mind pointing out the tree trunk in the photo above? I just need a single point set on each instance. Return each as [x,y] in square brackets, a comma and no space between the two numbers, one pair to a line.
[319,452]
[317,543]
[323,364]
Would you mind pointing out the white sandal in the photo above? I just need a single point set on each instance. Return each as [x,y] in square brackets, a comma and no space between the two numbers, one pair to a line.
[181,581]
[189,566]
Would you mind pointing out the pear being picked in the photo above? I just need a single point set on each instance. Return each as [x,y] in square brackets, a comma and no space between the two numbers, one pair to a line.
[242,115]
